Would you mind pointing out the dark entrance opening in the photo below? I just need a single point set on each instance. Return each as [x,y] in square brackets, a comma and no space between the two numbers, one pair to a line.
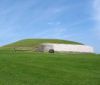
[51,51]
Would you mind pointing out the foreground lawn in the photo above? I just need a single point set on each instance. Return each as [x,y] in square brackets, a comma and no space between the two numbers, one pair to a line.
[49,69]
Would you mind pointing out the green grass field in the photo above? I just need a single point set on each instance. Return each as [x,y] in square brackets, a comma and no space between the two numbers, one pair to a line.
[34,68]
[49,69]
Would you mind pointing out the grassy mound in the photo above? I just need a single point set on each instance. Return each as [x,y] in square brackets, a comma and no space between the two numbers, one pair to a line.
[33,43]
[49,69]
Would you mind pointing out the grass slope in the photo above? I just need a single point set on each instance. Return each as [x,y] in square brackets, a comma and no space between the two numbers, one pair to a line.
[35,42]
[49,69]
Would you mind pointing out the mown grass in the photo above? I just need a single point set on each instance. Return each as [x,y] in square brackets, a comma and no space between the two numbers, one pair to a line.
[23,68]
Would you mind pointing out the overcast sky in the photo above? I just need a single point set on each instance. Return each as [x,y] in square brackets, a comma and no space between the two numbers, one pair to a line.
[76,20]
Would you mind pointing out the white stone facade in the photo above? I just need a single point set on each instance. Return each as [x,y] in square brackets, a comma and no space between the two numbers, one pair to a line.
[66,48]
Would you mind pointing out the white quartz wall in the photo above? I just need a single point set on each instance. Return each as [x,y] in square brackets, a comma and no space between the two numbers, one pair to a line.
[69,47]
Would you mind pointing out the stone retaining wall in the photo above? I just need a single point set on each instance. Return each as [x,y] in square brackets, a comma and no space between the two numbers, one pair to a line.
[66,48]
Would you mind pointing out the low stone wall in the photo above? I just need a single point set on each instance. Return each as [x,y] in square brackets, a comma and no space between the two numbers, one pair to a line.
[67,48]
